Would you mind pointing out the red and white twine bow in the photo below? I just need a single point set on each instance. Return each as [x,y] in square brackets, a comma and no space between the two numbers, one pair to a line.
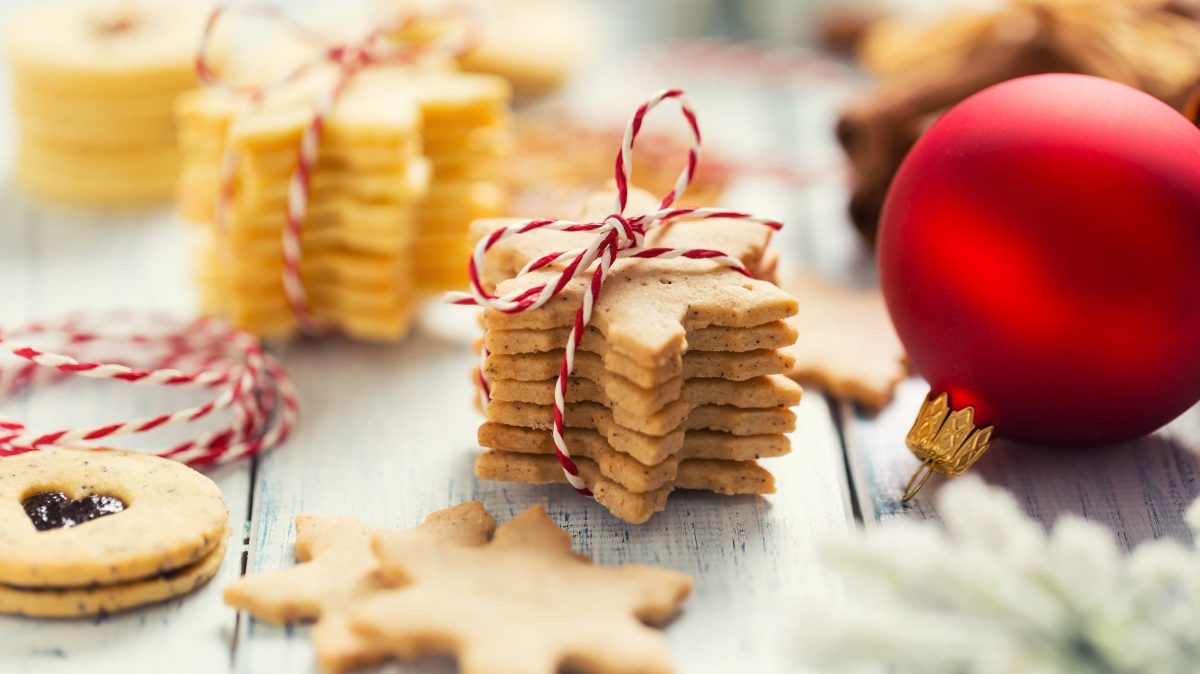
[617,236]
[201,354]
[378,46]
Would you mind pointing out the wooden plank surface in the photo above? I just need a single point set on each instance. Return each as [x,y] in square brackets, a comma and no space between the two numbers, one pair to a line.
[1140,489]
[387,434]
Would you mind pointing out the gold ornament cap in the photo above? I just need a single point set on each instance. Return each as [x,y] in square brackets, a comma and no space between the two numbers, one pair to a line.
[945,441]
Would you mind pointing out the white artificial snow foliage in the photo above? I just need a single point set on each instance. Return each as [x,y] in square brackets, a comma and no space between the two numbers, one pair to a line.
[990,592]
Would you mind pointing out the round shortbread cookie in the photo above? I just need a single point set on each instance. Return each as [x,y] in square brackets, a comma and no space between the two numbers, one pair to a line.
[96,137]
[107,45]
[104,599]
[172,517]
[115,193]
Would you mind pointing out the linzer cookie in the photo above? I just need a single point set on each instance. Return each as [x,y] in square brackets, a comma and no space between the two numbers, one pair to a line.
[94,82]
[633,354]
[87,532]
[377,594]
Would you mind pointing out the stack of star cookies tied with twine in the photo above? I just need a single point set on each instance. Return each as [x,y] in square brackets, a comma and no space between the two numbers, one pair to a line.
[662,371]
[317,196]
[358,233]
[94,82]
[466,125]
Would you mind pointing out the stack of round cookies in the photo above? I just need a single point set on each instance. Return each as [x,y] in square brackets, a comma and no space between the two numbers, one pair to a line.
[94,85]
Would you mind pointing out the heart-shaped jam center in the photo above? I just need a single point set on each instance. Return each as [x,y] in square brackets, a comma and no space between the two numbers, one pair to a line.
[55,510]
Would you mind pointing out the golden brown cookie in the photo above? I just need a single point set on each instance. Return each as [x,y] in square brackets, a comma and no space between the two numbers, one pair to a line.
[756,393]
[846,343]
[336,569]
[731,365]
[726,418]
[728,478]
[622,468]
[106,517]
[713,338]
[523,602]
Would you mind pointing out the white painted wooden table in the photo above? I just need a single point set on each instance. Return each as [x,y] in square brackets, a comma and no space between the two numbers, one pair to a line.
[387,434]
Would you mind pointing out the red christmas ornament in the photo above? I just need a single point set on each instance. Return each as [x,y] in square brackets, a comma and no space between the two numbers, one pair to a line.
[1039,251]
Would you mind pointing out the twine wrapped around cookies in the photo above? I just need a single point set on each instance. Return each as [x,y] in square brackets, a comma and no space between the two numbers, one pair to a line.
[617,236]
[250,384]
[376,47]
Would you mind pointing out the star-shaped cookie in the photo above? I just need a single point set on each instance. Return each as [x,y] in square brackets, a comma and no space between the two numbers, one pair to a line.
[337,568]
[846,343]
[522,603]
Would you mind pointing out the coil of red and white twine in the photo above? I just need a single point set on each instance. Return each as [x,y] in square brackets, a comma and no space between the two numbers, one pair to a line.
[201,354]
[617,236]
[377,46]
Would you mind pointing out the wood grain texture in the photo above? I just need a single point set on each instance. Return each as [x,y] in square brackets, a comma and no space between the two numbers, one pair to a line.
[387,434]
[390,438]
[1140,489]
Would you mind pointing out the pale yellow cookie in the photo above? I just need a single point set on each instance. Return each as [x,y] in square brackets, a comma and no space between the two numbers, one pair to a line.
[76,602]
[499,607]
[170,517]
[107,46]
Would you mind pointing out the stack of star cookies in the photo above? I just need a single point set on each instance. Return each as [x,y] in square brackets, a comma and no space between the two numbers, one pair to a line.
[678,382]
[95,532]
[466,132]
[358,237]
[94,83]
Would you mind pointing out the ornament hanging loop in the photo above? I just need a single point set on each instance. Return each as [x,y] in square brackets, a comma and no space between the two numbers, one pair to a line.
[945,440]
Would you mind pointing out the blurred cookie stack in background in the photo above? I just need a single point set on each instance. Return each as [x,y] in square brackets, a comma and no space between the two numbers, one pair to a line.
[357,240]
[94,86]
[534,44]
[467,135]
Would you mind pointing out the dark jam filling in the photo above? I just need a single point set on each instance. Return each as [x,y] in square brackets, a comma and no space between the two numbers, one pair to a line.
[53,510]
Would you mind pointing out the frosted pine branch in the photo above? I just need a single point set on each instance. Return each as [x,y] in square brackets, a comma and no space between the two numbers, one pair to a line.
[991,592]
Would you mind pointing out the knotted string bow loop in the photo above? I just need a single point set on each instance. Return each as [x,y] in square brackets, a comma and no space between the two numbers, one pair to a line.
[616,236]
[377,46]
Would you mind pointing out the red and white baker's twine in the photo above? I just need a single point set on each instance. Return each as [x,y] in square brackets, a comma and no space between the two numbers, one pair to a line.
[617,236]
[378,46]
[249,384]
